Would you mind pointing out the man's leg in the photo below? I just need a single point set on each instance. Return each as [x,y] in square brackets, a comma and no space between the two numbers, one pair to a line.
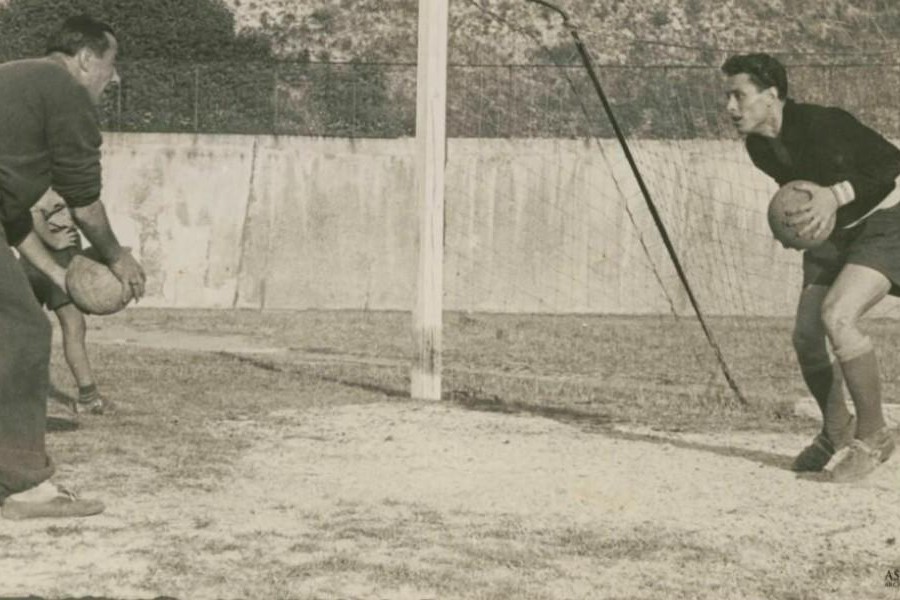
[25,491]
[823,378]
[74,329]
[856,290]
[71,322]
[24,380]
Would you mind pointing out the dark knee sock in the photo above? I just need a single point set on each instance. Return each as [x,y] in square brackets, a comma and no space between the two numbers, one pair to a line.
[826,386]
[864,383]
[88,393]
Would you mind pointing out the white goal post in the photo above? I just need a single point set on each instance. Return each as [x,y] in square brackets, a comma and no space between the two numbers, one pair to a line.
[431,154]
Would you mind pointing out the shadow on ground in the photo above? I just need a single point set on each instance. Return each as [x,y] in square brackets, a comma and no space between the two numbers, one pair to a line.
[592,422]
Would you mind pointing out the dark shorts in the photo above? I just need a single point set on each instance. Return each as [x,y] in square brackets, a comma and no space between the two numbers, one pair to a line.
[47,293]
[874,243]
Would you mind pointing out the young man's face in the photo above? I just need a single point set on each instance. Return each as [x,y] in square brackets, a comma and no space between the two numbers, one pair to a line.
[750,108]
[100,70]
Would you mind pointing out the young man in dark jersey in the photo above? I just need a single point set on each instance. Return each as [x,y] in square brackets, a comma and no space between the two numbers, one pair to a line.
[49,137]
[852,170]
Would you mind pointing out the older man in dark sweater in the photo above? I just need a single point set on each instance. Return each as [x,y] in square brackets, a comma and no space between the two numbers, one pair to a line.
[852,172]
[49,136]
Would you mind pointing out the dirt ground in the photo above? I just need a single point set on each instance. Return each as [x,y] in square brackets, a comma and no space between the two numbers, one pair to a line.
[402,499]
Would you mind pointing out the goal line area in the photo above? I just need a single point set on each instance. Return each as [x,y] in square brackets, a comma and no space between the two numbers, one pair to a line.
[551,216]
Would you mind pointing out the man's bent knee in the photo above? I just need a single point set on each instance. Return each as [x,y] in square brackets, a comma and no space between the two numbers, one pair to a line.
[852,346]
[841,323]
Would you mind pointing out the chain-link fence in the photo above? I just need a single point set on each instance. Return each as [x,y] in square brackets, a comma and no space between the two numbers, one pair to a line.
[522,100]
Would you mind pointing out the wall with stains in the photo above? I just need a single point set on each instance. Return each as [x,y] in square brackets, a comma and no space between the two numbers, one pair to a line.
[265,222]
[531,225]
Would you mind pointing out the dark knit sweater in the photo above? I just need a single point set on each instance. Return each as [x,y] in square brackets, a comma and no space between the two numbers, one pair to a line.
[49,136]
[827,146]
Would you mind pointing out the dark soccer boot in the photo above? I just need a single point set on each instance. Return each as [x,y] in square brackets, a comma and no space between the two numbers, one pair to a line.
[818,454]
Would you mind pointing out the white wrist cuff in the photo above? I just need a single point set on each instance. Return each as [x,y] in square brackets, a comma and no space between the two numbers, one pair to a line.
[844,192]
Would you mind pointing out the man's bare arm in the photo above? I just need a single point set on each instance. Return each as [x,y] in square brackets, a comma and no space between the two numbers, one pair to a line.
[93,222]
[36,252]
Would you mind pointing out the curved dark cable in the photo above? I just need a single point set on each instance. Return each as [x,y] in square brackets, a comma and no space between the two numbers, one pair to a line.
[651,205]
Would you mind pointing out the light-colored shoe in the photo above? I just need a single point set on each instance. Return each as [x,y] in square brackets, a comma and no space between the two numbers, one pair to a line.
[861,457]
[98,405]
[63,503]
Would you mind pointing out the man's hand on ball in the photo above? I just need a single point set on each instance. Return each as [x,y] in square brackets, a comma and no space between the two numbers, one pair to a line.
[814,216]
[131,274]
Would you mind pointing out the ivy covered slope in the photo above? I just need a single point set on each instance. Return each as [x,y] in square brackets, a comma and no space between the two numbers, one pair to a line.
[262,66]
[168,53]
[621,31]
[177,30]
[617,31]
[637,33]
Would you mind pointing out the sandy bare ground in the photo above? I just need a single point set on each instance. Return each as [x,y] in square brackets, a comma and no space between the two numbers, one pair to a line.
[360,501]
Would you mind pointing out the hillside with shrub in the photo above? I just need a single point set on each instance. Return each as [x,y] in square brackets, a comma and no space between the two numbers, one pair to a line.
[618,31]
[347,67]
[841,52]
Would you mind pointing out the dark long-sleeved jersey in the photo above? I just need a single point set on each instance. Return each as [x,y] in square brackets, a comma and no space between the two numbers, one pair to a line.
[49,136]
[829,146]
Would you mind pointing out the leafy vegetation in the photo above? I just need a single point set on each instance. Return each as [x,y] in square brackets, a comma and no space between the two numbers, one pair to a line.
[619,31]
[347,68]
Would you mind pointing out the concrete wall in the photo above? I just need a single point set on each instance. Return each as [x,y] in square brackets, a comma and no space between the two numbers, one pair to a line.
[241,221]
[531,225]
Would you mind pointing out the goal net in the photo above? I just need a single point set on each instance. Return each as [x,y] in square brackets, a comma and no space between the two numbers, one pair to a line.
[558,281]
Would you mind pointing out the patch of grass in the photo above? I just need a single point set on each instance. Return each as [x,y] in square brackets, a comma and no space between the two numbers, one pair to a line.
[656,371]
[185,418]
[305,547]
[338,562]
[203,522]
[510,553]
[639,545]
[172,426]
[64,530]
[221,547]
[360,531]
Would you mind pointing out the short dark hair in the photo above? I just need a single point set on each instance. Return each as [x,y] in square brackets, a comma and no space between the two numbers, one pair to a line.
[81,31]
[765,71]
